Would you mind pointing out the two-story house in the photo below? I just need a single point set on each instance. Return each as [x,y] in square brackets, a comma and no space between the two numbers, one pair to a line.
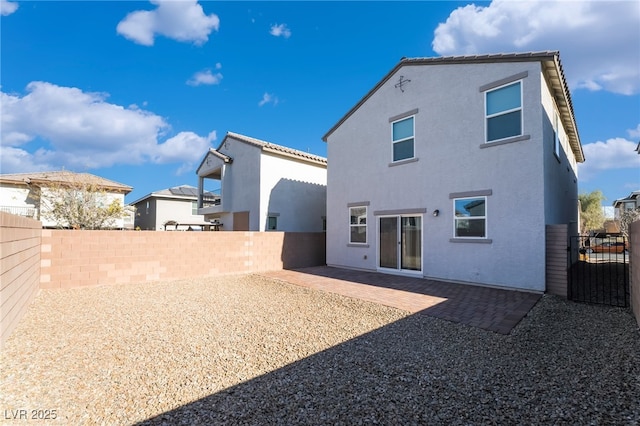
[263,186]
[626,204]
[31,194]
[172,209]
[450,168]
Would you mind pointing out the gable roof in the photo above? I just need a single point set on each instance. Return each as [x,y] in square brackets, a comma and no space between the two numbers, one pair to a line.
[551,68]
[182,192]
[63,177]
[633,196]
[276,149]
[265,146]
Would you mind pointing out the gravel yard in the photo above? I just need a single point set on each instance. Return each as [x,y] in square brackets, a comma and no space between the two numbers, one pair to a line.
[251,350]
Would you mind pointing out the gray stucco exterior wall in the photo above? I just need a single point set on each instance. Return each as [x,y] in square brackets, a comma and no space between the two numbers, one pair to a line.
[526,192]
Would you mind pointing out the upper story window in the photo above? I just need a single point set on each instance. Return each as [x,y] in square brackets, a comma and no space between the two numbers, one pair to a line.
[470,217]
[194,208]
[402,132]
[504,112]
[358,225]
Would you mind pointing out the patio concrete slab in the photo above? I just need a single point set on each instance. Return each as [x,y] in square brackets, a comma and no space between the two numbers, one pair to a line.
[493,309]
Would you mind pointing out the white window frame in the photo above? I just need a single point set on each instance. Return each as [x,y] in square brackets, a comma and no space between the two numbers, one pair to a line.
[488,116]
[485,217]
[354,225]
[413,136]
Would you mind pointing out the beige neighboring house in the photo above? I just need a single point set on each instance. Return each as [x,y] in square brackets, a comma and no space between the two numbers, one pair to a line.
[172,209]
[27,194]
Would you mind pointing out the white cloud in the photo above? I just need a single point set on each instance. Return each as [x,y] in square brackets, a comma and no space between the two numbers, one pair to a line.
[7,7]
[634,133]
[598,40]
[15,160]
[280,30]
[205,77]
[183,147]
[268,98]
[54,126]
[179,20]
[615,153]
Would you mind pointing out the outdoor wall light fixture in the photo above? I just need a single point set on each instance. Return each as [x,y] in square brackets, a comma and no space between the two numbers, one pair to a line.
[436,212]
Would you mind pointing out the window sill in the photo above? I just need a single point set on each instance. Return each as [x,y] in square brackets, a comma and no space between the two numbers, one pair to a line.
[506,141]
[358,245]
[401,162]
[471,240]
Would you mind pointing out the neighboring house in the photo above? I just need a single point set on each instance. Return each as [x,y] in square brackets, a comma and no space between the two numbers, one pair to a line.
[172,209]
[264,186]
[622,205]
[450,168]
[29,194]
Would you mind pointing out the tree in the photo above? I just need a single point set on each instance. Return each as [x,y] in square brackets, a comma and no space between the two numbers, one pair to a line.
[591,214]
[80,203]
[626,219]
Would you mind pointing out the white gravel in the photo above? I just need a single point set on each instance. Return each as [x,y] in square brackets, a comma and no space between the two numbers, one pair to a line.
[250,350]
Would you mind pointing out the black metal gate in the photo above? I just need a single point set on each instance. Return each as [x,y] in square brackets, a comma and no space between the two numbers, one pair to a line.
[599,270]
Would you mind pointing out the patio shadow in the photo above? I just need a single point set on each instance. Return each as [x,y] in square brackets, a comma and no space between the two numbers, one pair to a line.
[353,381]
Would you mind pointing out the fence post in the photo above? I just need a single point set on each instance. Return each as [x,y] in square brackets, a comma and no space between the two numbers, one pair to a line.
[556,259]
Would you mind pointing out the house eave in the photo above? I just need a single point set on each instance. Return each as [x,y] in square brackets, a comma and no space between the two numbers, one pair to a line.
[277,149]
[226,159]
[34,179]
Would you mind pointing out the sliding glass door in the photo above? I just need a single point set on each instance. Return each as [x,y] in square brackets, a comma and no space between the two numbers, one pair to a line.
[400,242]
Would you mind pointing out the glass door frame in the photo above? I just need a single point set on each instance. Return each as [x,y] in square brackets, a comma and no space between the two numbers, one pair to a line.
[398,269]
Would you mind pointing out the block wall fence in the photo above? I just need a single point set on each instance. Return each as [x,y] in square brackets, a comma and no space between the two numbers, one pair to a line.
[557,238]
[20,269]
[89,258]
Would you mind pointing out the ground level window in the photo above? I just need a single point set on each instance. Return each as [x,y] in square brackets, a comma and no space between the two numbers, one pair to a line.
[470,218]
[358,225]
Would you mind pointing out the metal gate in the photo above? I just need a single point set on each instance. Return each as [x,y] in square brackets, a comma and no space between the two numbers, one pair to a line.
[599,270]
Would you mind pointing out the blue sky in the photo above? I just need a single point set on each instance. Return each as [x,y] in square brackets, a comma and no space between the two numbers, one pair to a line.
[138,91]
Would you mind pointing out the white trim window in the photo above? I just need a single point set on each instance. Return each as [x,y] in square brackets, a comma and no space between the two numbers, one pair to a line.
[402,139]
[503,112]
[470,217]
[358,225]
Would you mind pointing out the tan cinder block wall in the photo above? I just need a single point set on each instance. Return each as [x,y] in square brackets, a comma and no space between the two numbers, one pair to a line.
[89,258]
[20,271]
[556,259]
[634,265]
